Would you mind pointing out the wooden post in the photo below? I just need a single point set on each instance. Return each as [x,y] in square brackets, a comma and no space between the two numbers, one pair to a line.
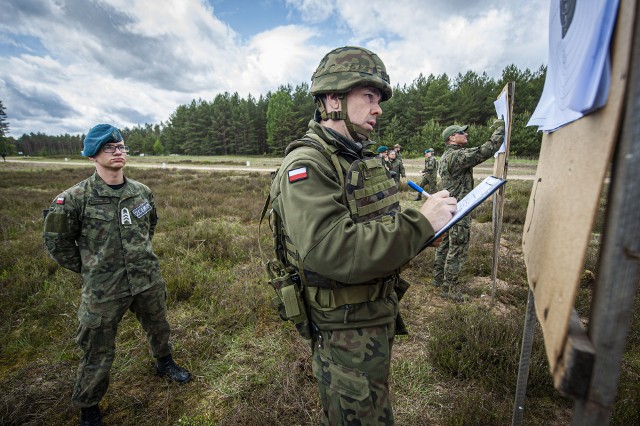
[619,262]
[500,168]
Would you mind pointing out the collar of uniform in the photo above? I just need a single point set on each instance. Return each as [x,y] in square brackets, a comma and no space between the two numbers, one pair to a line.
[104,190]
[345,145]
[453,146]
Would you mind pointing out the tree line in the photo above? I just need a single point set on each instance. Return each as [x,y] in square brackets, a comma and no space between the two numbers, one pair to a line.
[414,117]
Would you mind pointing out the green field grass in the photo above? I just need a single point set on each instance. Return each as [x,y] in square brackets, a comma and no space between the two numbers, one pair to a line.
[458,366]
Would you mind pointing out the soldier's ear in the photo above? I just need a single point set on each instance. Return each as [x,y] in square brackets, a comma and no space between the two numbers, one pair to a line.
[332,102]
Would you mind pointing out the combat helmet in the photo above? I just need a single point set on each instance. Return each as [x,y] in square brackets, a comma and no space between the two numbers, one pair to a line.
[341,70]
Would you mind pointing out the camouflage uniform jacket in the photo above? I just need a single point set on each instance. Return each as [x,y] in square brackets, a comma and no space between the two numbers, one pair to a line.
[331,244]
[105,234]
[396,166]
[430,168]
[456,164]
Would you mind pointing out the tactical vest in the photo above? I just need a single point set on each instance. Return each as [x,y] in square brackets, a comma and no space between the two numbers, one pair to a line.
[370,194]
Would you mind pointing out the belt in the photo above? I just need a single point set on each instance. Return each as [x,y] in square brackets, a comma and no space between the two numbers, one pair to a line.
[325,298]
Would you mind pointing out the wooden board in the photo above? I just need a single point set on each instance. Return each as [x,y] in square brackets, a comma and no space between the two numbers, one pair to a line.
[564,199]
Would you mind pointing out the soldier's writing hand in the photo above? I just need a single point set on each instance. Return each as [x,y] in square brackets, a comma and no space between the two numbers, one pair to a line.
[439,209]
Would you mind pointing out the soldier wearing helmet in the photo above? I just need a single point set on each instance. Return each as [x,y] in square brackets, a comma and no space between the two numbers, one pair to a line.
[344,238]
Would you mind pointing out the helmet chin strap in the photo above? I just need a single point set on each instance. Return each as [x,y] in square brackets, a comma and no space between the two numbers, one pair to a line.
[357,133]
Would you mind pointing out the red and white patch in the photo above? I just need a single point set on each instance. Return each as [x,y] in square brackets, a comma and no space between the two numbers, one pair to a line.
[298,174]
[60,200]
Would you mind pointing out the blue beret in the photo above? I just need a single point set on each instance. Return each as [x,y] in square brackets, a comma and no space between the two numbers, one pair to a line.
[98,136]
[382,148]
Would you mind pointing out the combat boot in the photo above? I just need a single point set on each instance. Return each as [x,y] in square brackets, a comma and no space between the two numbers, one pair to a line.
[453,293]
[166,367]
[90,416]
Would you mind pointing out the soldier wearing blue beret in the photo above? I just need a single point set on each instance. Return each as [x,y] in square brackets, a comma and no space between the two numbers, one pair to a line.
[102,228]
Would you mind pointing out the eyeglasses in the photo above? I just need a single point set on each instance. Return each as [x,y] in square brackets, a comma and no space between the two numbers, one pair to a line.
[112,148]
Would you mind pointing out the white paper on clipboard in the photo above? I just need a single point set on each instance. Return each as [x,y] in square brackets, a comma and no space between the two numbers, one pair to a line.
[488,186]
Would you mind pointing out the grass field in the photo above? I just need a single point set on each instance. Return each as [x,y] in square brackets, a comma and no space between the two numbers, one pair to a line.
[458,366]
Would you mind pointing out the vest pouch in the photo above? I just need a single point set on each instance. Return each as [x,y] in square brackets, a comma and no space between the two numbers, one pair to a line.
[289,299]
[370,190]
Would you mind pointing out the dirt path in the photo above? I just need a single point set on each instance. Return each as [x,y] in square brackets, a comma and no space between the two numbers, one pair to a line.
[479,172]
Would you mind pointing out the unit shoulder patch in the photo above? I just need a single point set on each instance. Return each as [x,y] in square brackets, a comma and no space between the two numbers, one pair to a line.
[142,209]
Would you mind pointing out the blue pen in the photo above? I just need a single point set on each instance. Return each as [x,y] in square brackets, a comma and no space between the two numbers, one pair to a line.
[414,186]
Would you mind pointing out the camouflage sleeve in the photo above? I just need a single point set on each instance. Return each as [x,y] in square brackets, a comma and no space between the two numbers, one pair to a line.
[470,157]
[61,230]
[402,172]
[326,237]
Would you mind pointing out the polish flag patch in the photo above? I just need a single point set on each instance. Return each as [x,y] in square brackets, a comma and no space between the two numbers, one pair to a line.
[298,174]
[60,200]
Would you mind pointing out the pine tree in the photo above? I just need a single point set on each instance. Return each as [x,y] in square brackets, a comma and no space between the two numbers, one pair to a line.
[4,129]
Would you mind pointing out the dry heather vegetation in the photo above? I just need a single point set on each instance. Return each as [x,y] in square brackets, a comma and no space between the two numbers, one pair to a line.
[457,367]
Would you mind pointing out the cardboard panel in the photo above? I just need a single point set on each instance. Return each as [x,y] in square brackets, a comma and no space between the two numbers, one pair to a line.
[564,200]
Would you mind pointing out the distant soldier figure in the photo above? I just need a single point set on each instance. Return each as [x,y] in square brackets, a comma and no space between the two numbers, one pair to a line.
[383,155]
[397,148]
[456,174]
[429,174]
[102,228]
[396,167]
[342,238]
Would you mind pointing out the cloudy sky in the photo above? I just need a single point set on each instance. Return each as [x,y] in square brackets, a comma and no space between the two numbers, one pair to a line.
[66,65]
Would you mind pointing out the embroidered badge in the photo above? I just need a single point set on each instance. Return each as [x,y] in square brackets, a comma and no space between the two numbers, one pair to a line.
[142,209]
[297,174]
[60,200]
[125,217]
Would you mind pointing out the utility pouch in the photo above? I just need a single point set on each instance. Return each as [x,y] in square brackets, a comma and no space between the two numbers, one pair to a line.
[289,299]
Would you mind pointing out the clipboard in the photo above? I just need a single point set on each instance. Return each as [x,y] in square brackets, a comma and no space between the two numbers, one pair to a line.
[481,192]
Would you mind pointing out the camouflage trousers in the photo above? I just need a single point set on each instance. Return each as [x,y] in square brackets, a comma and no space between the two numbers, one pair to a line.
[429,184]
[98,324]
[452,254]
[352,368]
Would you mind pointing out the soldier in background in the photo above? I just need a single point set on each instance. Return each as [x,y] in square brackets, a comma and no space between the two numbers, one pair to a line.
[429,174]
[383,155]
[346,238]
[456,174]
[102,228]
[397,148]
[396,167]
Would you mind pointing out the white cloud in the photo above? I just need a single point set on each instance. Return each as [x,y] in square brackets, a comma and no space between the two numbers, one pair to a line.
[313,11]
[277,57]
[134,61]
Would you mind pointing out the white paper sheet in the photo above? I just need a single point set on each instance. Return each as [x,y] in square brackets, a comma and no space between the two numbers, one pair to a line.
[578,70]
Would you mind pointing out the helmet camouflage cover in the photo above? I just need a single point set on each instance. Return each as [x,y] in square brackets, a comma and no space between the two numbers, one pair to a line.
[347,67]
